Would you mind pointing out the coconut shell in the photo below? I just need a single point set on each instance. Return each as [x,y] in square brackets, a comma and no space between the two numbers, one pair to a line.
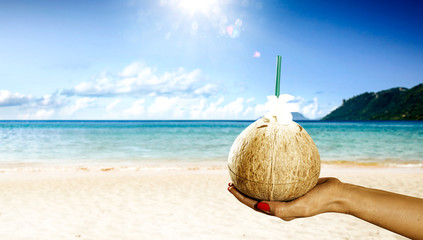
[270,161]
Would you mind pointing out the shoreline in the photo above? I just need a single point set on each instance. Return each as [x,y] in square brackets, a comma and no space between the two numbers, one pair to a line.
[171,166]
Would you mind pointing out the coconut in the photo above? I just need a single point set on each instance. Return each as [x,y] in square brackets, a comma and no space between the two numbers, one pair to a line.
[274,161]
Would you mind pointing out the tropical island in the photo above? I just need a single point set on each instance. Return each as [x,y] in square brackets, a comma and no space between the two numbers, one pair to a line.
[393,104]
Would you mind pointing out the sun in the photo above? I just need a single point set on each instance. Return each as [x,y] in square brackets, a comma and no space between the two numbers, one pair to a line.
[194,6]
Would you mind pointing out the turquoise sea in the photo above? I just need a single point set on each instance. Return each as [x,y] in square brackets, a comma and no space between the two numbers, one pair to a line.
[175,142]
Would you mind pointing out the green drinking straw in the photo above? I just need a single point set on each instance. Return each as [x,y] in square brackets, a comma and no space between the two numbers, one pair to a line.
[278,76]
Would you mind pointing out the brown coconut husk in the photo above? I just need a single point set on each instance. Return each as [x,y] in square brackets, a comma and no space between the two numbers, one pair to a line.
[270,161]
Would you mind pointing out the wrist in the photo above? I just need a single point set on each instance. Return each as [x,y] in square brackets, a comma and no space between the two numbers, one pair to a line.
[349,196]
[341,198]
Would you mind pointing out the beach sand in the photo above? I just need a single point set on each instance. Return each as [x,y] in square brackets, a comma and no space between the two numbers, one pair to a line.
[179,203]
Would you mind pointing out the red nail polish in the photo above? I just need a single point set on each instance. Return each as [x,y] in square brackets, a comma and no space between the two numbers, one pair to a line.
[229,184]
[263,206]
[229,188]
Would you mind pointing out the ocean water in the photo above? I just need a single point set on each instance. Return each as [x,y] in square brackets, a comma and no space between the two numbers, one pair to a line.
[175,142]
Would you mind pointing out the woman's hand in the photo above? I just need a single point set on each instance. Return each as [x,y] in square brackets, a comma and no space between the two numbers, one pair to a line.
[398,213]
[326,196]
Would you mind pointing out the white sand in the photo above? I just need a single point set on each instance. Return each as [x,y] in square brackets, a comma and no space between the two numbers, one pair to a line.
[171,204]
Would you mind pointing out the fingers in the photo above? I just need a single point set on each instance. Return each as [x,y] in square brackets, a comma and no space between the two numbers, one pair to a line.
[277,209]
[287,211]
[242,198]
[314,202]
[266,207]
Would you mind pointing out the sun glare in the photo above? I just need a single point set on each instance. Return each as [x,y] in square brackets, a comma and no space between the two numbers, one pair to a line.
[194,6]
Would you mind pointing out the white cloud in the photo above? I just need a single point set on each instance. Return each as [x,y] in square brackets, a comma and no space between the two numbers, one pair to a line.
[8,98]
[170,107]
[44,114]
[188,108]
[173,94]
[250,99]
[207,89]
[39,115]
[113,104]
[78,105]
[311,110]
[205,108]
[215,110]
[202,103]
[162,105]
[248,111]
[196,109]
[136,79]
[133,69]
[136,109]
[293,106]
[49,101]
[101,86]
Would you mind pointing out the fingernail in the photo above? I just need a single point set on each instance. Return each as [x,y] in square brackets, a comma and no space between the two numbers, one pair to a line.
[263,206]
[229,188]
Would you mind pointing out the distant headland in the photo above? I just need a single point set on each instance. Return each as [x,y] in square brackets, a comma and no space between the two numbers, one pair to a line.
[393,104]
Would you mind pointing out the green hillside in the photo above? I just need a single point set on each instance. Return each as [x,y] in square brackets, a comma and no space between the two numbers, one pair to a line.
[392,104]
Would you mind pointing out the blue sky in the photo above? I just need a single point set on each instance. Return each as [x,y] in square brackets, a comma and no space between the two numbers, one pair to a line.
[210,59]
